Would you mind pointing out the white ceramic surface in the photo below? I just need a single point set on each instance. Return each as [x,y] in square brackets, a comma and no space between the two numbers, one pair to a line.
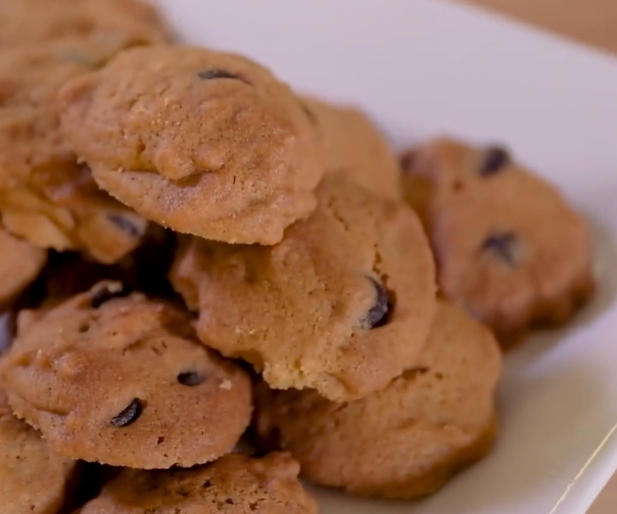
[425,67]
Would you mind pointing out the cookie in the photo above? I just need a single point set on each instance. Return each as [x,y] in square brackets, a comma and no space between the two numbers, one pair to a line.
[33,21]
[122,381]
[233,484]
[20,263]
[46,195]
[202,142]
[407,440]
[353,144]
[509,248]
[33,479]
[340,305]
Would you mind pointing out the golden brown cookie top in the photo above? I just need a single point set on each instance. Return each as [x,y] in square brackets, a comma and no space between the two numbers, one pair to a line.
[122,381]
[33,478]
[407,439]
[32,21]
[510,249]
[203,142]
[343,304]
[46,195]
[20,263]
[32,147]
[233,484]
[354,145]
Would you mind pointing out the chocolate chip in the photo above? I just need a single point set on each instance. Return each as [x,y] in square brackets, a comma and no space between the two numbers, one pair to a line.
[407,161]
[309,114]
[217,73]
[503,246]
[190,378]
[107,292]
[128,415]
[495,159]
[378,314]
[124,224]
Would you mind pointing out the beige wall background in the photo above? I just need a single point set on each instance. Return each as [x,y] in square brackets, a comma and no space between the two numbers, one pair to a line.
[593,22]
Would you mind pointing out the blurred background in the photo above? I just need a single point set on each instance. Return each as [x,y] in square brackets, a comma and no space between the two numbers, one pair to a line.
[593,22]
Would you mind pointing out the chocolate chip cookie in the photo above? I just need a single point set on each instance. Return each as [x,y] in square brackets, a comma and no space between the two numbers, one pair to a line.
[354,145]
[234,484]
[20,263]
[33,479]
[46,195]
[202,142]
[408,439]
[122,381]
[509,248]
[342,304]
[31,21]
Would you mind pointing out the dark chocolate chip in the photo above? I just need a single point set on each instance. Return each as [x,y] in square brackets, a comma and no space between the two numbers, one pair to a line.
[124,224]
[503,246]
[413,373]
[217,73]
[128,415]
[106,293]
[190,378]
[309,113]
[495,159]
[378,314]
[407,161]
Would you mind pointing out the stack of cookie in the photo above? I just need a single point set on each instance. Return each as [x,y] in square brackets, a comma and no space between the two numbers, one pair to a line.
[221,261]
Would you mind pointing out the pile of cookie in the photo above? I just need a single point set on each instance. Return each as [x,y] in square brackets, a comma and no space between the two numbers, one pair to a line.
[219,285]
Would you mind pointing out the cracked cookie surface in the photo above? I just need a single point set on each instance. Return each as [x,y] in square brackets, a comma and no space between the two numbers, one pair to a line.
[123,381]
[340,305]
[202,142]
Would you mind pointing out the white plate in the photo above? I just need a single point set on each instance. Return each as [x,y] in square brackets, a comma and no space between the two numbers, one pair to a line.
[424,67]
